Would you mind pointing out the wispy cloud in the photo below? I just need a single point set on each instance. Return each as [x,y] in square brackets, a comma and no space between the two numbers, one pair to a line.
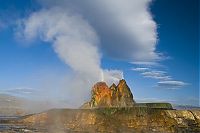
[150,73]
[165,81]
[140,69]
[146,63]
[171,84]
[160,75]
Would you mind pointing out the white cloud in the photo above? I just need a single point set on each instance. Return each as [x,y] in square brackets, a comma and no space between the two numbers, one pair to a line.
[160,75]
[140,69]
[126,27]
[171,84]
[164,80]
[154,74]
[146,63]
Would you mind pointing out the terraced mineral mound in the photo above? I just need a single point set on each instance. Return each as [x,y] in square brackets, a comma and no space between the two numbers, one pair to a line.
[116,120]
[110,110]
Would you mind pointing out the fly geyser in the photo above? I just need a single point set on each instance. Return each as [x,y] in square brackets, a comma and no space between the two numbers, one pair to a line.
[113,96]
[116,96]
[111,110]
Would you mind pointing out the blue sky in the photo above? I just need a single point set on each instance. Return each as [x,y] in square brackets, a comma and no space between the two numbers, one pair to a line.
[167,68]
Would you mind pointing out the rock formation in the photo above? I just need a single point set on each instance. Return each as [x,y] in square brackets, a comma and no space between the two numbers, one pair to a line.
[113,96]
[115,120]
[111,109]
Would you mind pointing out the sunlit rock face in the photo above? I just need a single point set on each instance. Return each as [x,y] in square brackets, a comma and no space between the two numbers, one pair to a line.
[101,95]
[113,96]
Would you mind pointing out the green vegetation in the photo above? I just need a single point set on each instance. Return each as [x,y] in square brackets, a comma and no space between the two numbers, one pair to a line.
[155,105]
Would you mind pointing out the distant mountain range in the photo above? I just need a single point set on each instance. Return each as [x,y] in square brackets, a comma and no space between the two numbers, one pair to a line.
[185,107]
[15,106]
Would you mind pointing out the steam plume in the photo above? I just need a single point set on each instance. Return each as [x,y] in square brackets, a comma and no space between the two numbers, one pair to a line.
[75,42]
